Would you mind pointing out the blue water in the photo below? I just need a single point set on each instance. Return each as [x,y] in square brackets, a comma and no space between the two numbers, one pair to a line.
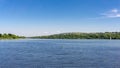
[59,53]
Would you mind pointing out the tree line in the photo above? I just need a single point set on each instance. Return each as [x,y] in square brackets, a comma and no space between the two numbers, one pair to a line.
[9,36]
[100,35]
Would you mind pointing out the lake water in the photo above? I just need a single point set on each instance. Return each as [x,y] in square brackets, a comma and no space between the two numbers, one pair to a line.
[59,53]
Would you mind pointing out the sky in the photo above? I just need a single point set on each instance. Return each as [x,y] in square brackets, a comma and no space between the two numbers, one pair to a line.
[45,17]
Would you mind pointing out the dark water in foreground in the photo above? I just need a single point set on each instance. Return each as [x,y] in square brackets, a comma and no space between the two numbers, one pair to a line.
[60,54]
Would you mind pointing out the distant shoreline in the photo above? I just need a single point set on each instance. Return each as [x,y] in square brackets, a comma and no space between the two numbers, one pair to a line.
[78,35]
[72,35]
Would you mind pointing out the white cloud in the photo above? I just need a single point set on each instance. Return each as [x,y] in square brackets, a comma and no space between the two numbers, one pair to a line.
[46,32]
[114,10]
[58,31]
[114,13]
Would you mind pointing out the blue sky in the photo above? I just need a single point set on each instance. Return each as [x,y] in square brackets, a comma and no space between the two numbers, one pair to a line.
[44,17]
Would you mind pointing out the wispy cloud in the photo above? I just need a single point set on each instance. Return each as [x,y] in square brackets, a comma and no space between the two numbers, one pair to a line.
[49,33]
[114,13]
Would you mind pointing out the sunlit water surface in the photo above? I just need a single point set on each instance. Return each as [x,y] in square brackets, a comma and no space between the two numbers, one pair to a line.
[59,53]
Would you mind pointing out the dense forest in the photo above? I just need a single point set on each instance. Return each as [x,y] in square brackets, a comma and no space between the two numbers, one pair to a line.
[9,36]
[100,35]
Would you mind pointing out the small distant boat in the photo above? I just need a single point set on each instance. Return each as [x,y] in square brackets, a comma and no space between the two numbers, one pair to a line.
[110,38]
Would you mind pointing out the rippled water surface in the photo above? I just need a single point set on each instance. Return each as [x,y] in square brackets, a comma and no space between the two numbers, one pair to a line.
[59,53]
